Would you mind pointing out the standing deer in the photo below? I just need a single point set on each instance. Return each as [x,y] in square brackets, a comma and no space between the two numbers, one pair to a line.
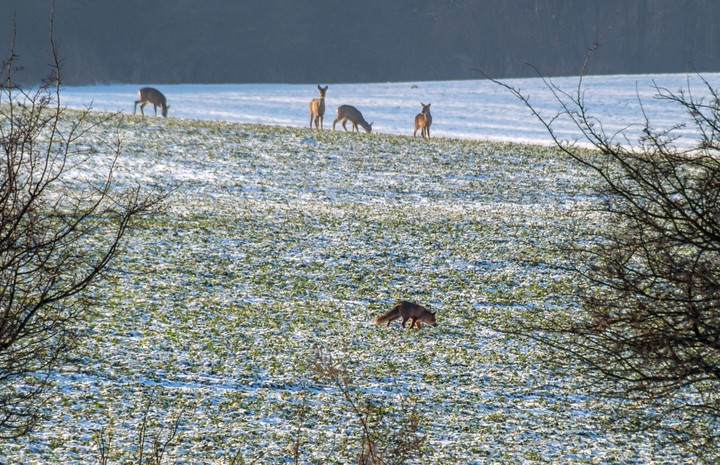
[151,95]
[317,108]
[423,121]
[347,112]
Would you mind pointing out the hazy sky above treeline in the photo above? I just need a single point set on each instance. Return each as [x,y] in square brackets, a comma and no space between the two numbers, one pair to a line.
[329,41]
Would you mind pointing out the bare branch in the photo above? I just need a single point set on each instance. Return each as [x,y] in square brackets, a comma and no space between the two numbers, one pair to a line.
[647,326]
[57,236]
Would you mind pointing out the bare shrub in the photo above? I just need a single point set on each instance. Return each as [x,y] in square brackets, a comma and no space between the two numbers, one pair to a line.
[57,236]
[648,281]
[380,443]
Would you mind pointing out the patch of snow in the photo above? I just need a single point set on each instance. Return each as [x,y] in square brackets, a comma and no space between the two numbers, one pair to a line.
[470,109]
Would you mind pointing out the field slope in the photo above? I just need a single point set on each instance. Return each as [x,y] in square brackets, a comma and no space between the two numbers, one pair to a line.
[283,243]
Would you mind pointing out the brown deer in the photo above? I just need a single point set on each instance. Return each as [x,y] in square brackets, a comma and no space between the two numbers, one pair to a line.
[423,121]
[151,95]
[317,108]
[347,112]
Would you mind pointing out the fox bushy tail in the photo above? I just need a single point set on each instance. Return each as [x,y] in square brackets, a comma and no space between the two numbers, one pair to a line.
[390,315]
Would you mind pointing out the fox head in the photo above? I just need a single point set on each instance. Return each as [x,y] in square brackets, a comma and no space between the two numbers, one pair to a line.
[431,320]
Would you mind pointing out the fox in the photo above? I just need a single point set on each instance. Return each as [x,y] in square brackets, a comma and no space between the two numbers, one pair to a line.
[407,311]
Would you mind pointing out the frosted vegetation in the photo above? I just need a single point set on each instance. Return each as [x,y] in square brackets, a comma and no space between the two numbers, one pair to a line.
[282,243]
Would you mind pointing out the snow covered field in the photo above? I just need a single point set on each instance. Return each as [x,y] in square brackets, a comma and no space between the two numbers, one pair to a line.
[461,109]
[281,243]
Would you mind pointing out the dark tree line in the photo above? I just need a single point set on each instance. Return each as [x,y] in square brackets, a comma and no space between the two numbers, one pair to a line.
[325,41]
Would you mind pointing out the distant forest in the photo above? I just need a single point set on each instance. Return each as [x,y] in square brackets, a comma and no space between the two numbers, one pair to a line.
[331,41]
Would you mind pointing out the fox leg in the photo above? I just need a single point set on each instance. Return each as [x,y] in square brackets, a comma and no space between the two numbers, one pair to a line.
[413,322]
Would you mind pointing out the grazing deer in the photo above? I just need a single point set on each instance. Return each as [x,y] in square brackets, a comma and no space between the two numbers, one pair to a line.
[317,108]
[347,112]
[423,121]
[151,95]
